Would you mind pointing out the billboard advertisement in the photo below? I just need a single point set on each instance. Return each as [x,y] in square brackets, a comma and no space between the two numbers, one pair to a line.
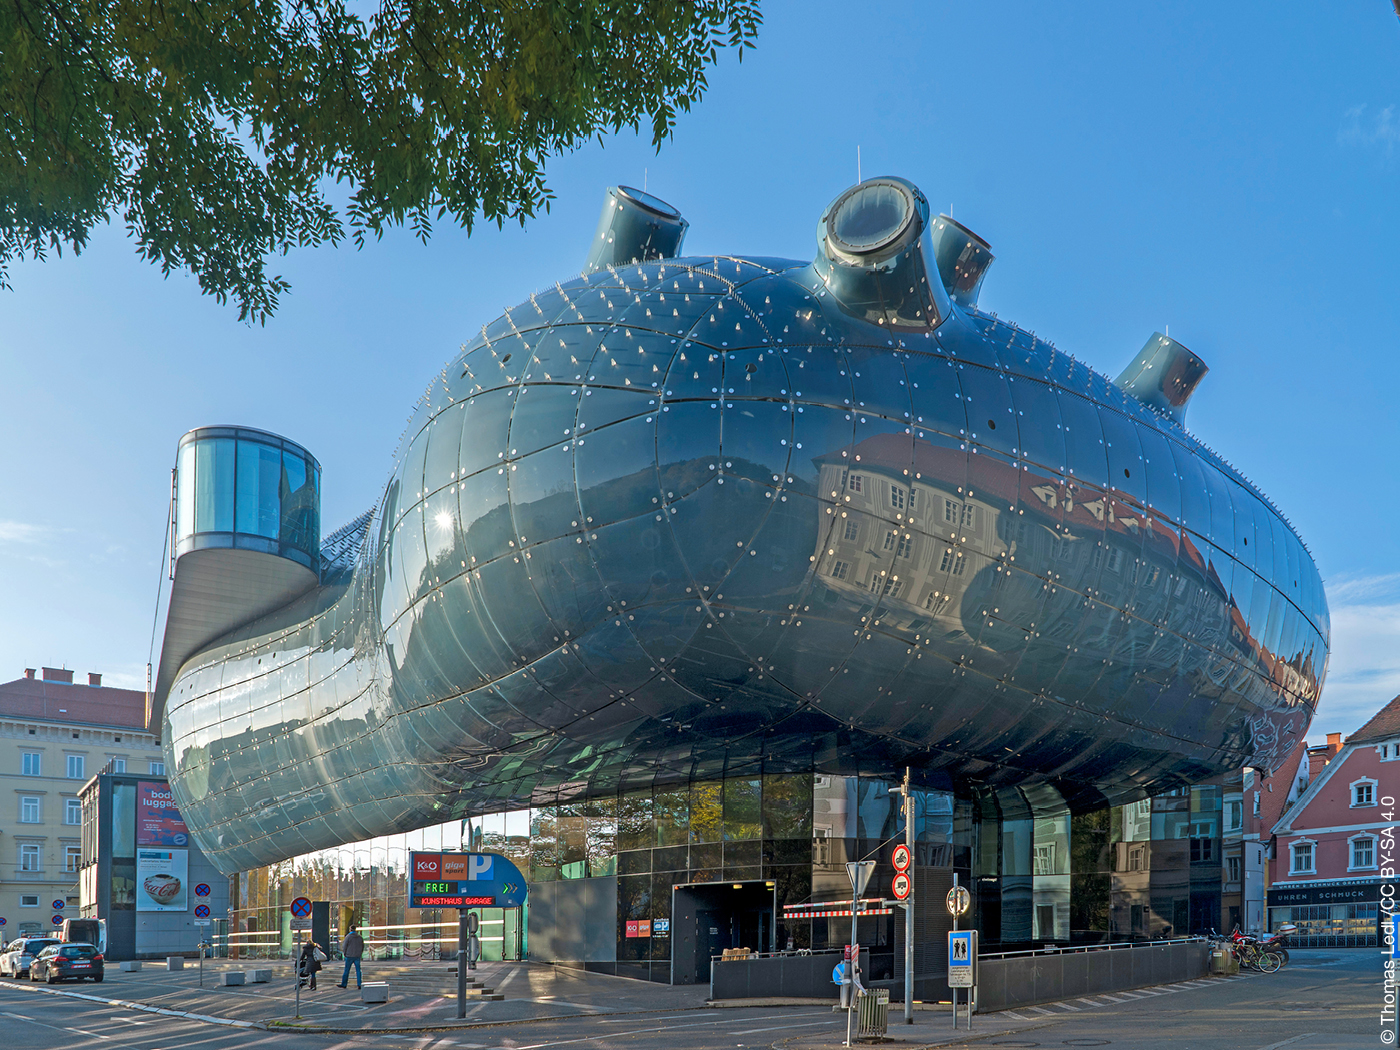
[162,879]
[158,821]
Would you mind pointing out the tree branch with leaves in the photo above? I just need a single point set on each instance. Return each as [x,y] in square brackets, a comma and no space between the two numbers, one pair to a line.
[214,129]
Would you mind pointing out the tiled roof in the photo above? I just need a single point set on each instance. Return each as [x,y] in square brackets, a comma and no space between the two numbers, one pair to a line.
[61,702]
[1385,723]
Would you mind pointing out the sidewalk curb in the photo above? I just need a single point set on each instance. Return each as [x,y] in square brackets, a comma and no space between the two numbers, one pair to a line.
[143,1007]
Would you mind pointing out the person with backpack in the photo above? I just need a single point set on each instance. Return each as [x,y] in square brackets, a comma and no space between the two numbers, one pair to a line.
[308,965]
[353,947]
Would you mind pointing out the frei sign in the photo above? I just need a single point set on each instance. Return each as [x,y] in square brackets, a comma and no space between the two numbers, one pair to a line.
[464,880]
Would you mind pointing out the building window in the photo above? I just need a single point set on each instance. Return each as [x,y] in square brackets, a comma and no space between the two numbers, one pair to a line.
[158,769]
[72,857]
[75,767]
[890,539]
[118,765]
[1202,850]
[854,482]
[1234,815]
[28,809]
[852,529]
[1363,852]
[933,601]
[838,572]
[28,900]
[72,811]
[1232,865]
[31,764]
[875,580]
[970,518]
[1301,854]
[950,511]
[1363,793]
[905,547]
[1256,801]
[896,497]
[952,561]
[29,857]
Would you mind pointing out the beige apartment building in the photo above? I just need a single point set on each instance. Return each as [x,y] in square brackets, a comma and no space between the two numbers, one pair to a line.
[54,736]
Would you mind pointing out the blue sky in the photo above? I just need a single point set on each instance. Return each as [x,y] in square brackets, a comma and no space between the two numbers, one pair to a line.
[1228,170]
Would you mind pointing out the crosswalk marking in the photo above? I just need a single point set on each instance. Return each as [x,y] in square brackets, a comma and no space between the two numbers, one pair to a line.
[1104,999]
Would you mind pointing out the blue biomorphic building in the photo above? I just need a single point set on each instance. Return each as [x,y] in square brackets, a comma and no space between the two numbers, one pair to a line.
[686,559]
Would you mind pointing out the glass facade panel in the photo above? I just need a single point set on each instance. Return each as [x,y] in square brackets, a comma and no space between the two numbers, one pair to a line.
[214,485]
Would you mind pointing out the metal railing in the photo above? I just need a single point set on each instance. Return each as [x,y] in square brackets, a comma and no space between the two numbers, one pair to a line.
[1077,949]
[780,955]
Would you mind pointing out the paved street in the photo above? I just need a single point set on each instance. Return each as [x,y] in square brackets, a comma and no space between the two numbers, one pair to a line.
[1326,1000]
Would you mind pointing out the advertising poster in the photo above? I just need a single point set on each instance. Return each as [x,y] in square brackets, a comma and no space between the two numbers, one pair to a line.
[162,879]
[158,821]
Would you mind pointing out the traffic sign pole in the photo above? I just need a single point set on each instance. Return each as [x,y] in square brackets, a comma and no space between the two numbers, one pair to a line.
[301,918]
[904,864]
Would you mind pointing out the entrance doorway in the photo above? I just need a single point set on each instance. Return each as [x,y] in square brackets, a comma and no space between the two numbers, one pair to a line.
[708,917]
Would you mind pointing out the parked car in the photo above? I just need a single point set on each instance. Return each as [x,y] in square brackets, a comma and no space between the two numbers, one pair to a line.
[19,953]
[59,962]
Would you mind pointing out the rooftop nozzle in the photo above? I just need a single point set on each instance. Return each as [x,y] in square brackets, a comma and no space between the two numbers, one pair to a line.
[962,257]
[635,227]
[875,256]
[1164,375]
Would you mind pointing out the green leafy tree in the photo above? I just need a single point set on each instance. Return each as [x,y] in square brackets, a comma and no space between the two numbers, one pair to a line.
[215,129]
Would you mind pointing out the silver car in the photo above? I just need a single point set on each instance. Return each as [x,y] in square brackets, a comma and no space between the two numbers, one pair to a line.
[19,953]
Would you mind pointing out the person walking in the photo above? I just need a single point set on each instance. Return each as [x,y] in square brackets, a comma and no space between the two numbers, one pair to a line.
[353,947]
[308,965]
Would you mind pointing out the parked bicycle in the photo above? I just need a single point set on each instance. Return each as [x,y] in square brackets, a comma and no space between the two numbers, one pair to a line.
[1249,952]
[1277,941]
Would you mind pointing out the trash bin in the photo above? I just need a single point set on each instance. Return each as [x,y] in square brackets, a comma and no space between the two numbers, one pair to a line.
[1223,961]
[874,1012]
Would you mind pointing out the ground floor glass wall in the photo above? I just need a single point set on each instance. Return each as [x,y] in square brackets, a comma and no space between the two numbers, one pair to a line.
[1147,870]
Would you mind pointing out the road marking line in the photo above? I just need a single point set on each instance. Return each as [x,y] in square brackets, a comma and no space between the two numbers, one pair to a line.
[1288,1042]
[1088,1002]
[1111,998]
[1039,1010]
[1013,1013]
[1066,1006]
[781,1027]
[633,1020]
[663,1028]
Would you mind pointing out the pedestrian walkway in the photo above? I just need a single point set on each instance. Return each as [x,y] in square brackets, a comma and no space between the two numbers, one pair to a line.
[420,997]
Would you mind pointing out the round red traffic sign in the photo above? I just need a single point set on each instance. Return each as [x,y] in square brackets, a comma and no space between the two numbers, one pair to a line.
[902,886]
[301,908]
[902,857]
